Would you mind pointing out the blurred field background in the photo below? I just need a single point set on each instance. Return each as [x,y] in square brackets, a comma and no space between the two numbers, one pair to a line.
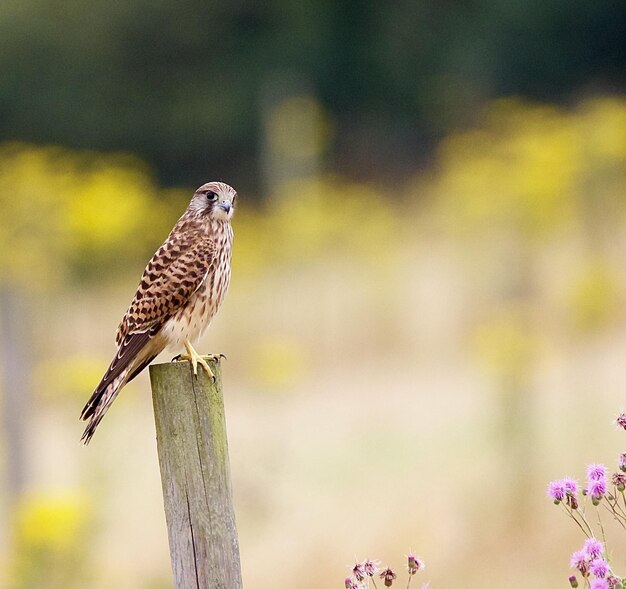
[426,319]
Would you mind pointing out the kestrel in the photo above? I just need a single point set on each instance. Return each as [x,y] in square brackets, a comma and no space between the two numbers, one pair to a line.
[180,291]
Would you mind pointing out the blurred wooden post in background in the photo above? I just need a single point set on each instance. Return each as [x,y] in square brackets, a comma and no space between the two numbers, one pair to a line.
[195,474]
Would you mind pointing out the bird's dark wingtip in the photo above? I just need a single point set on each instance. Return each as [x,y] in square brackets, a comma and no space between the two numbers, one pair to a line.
[88,433]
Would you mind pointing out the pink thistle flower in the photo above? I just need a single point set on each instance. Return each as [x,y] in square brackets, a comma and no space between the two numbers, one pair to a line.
[349,583]
[597,490]
[358,571]
[556,491]
[596,482]
[596,472]
[599,567]
[620,420]
[414,564]
[599,584]
[578,561]
[370,567]
[622,462]
[570,485]
[573,581]
[593,548]
[388,576]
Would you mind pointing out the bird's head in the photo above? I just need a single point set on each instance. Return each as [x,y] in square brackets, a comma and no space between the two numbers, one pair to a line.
[215,200]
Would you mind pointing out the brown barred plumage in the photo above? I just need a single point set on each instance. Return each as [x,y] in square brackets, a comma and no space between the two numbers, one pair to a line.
[180,291]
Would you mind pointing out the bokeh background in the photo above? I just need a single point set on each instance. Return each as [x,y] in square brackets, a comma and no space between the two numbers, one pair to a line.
[426,319]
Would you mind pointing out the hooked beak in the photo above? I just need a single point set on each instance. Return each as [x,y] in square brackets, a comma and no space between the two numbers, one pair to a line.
[225,206]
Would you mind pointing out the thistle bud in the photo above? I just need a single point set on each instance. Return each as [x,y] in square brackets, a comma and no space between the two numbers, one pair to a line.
[388,576]
[358,571]
[414,564]
[619,480]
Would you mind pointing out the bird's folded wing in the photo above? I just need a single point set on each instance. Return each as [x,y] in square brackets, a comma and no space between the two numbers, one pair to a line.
[174,273]
[171,277]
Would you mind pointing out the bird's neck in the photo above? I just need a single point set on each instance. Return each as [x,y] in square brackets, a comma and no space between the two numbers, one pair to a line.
[222,231]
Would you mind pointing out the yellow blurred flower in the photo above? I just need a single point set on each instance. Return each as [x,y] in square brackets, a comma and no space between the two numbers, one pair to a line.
[532,167]
[66,211]
[50,542]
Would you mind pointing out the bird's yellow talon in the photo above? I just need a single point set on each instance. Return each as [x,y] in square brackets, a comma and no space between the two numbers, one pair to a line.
[194,359]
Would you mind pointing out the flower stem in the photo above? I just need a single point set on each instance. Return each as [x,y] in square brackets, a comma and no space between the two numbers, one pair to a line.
[570,513]
[617,507]
[601,527]
[584,519]
[616,516]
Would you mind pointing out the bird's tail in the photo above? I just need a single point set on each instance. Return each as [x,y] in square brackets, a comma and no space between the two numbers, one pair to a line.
[100,401]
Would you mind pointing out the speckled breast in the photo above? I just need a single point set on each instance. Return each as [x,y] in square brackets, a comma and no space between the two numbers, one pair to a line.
[190,322]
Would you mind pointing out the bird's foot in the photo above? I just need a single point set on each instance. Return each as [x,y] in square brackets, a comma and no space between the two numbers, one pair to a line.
[194,359]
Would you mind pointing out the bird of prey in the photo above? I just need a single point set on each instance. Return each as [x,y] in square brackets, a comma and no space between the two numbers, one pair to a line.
[180,291]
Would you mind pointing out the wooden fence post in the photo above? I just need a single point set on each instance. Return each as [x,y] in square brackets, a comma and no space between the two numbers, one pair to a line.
[195,474]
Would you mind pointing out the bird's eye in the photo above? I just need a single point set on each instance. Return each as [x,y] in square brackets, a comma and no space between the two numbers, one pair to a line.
[211,196]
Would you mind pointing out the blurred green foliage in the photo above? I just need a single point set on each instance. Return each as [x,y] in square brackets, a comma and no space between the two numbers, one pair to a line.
[182,87]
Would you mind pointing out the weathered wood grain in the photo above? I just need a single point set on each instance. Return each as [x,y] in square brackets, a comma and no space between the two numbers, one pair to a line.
[195,474]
